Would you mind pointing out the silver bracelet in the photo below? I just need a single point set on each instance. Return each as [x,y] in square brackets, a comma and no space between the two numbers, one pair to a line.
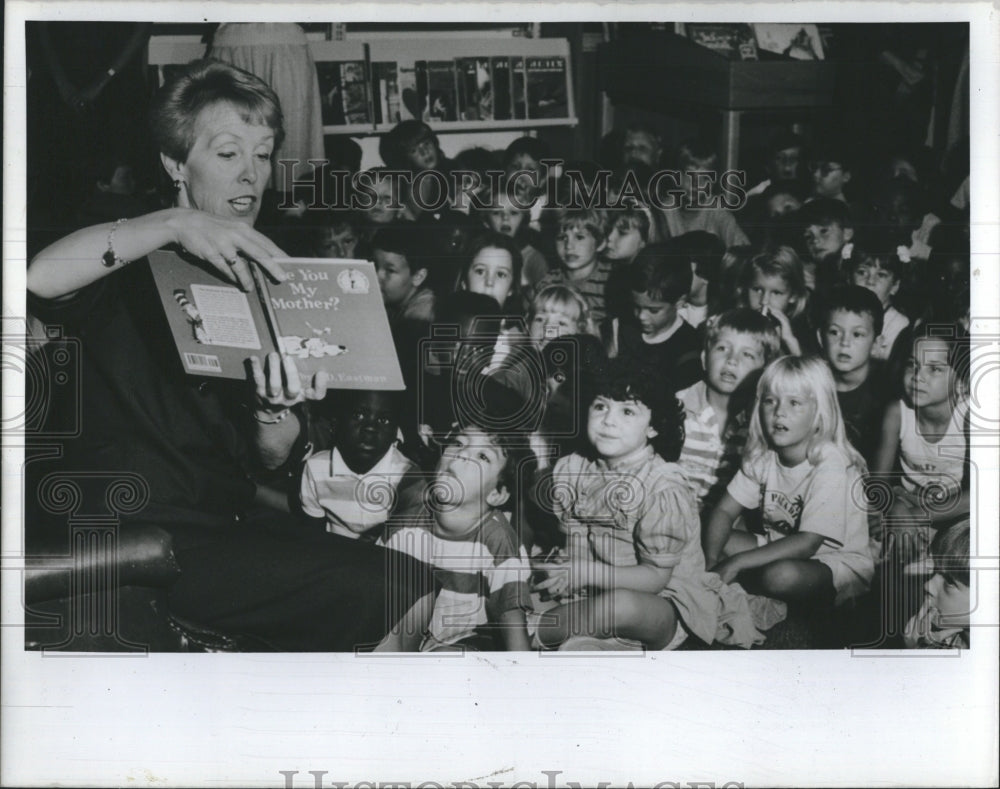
[110,258]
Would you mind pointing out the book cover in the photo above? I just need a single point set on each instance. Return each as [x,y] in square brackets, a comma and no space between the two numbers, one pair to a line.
[799,42]
[501,88]
[734,41]
[328,316]
[423,111]
[385,85]
[466,78]
[409,104]
[331,103]
[547,96]
[354,91]
[518,88]
[442,91]
[478,89]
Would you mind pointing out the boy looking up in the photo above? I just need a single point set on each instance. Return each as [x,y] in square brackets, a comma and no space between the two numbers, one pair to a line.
[456,525]
[738,344]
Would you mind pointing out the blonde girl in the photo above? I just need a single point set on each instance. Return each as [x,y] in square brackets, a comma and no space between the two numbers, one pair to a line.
[556,311]
[810,539]
[773,283]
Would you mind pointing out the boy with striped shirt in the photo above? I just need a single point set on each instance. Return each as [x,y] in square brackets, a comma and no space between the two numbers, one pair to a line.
[738,343]
[455,525]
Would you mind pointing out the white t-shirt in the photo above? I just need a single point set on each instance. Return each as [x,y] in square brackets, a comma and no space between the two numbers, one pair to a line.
[351,503]
[827,499]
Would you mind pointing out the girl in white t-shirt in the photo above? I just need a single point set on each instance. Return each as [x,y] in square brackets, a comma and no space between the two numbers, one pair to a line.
[810,541]
[928,433]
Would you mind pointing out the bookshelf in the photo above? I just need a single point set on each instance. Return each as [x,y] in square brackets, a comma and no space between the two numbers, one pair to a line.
[407,52]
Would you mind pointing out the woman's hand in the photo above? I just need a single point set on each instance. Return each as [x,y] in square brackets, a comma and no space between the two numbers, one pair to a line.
[278,386]
[225,243]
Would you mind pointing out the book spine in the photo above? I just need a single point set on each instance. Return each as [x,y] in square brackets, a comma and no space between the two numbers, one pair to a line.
[424,109]
[519,105]
[501,88]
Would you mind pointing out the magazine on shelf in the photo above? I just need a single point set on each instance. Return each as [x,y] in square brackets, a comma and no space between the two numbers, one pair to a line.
[385,90]
[331,103]
[442,91]
[328,316]
[518,88]
[735,41]
[354,90]
[409,101]
[546,87]
[799,42]
[501,88]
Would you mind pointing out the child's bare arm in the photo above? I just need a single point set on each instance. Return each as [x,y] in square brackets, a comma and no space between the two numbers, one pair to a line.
[514,631]
[718,528]
[888,445]
[795,546]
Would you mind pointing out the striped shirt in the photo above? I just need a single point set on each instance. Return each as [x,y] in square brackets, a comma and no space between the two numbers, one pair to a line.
[711,452]
[482,574]
[593,289]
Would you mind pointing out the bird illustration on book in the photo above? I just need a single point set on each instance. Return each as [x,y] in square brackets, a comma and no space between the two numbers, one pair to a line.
[193,317]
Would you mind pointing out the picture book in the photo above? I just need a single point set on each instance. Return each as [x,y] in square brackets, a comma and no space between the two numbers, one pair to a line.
[328,316]
[518,88]
[409,102]
[354,90]
[442,91]
[501,88]
[468,104]
[385,88]
[546,87]
[331,102]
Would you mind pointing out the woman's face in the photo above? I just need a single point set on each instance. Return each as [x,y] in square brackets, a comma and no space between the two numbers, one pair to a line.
[229,164]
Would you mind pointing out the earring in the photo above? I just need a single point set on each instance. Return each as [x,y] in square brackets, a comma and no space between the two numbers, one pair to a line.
[178,184]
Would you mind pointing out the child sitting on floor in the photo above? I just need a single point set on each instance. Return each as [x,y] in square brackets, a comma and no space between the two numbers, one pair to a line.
[852,322]
[881,273]
[928,433]
[346,485]
[660,281]
[943,620]
[773,284]
[631,529]
[738,344]
[800,472]
[456,526]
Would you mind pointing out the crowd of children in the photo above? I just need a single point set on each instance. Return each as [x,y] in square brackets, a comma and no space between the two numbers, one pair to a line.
[646,427]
